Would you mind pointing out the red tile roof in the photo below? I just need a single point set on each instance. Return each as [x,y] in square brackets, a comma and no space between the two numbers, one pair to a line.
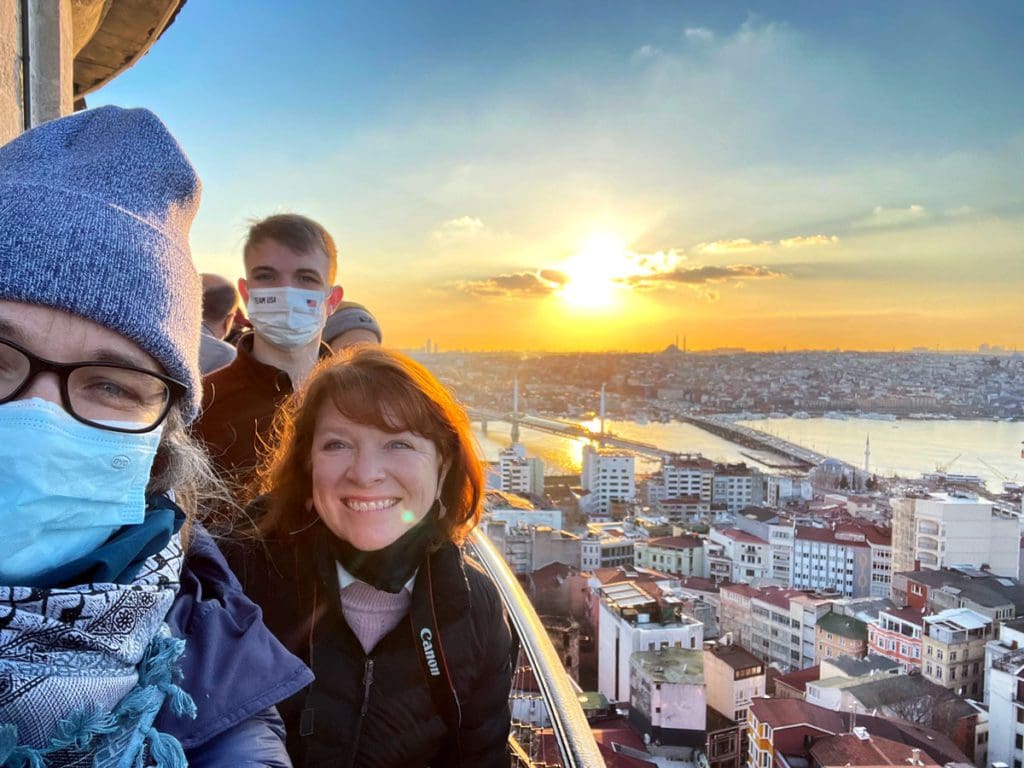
[850,750]
[737,535]
[799,679]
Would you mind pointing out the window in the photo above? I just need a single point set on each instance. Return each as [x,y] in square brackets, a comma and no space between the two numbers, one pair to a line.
[1018,742]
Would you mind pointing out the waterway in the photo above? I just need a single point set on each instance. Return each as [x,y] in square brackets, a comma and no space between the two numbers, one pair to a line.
[991,450]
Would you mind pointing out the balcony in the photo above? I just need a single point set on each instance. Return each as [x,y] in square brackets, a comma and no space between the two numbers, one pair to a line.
[570,731]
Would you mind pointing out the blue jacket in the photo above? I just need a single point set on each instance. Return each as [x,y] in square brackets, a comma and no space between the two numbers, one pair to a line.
[234,669]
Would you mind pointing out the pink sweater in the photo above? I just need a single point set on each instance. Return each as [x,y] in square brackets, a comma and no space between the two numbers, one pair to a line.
[372,613]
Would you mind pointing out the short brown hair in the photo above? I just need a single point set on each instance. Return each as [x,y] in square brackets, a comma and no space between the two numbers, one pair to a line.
[299,233]
[383,389]
[219,301]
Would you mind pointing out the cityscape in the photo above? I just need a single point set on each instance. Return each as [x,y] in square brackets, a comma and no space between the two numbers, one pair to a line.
[713,614]
[729,293]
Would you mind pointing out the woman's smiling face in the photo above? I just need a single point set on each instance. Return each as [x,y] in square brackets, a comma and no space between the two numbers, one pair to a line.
[371,486]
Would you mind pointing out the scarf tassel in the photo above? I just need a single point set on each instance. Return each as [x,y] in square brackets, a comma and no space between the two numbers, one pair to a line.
[166,750]
[14,756]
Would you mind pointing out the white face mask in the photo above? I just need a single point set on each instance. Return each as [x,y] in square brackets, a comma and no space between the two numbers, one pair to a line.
[287,317]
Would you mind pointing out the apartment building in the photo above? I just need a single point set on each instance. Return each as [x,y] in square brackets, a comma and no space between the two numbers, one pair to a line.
[932,591]
[953,650]
[668,697]
[631,620]
[854,559]
[514,509]
[528,548]
[736,486]
[896,635]
[608,476]
[778,615]
[1004,694]
[951,529]
[682,555]
[836,635]
[606,550]
[749,555]
[781,728]
[779,531]
[734,678]
[519,473]
[684,475]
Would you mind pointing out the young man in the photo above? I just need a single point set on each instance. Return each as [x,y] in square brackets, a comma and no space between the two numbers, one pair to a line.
[290,266]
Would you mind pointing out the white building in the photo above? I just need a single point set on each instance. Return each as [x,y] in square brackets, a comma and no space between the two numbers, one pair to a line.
[1004,694]
[684,476]
[513,510]
[778,489]
[750,555]
[855,559]
[770,524]
[608,476]
[519,473]
[630,620]
[605,550]
[667,697]
[944,530]
[736,486]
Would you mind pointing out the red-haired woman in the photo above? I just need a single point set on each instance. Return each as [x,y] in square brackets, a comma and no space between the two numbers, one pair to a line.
[368,495]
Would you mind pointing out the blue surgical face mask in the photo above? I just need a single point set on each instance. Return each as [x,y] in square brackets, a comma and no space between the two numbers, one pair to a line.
[66,486]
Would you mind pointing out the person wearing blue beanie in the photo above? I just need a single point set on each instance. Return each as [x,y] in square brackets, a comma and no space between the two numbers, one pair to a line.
[124,640]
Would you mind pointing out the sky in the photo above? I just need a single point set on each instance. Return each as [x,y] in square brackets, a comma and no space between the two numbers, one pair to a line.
[590,175]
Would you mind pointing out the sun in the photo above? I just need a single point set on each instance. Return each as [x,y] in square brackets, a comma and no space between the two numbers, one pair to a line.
[592,274]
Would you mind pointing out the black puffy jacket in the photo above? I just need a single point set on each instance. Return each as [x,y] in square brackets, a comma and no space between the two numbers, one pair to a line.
[376,710]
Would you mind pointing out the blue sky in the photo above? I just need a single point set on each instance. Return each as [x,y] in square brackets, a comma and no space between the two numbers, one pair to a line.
[767,170]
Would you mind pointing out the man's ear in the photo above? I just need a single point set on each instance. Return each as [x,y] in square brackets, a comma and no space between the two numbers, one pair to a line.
[334,299]
[243,290]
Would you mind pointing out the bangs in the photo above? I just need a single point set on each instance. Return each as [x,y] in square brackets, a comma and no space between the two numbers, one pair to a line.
[388,402]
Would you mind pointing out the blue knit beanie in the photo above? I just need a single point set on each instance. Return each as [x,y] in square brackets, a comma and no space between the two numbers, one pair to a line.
[95,210]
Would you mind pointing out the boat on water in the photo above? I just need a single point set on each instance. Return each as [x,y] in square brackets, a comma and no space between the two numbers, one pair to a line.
[878,416]
[837,416]
[801,415]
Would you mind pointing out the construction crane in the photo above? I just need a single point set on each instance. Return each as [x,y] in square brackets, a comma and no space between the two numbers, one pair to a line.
[1002,475]
[945,467]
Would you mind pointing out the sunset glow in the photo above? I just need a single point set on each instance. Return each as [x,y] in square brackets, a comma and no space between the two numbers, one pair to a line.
[516,180]
[594,271]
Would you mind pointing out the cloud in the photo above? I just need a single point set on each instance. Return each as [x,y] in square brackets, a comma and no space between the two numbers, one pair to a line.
[699,33]
[554,276]
[522,284]
[699,278]
[462,228]
[963,210]
[802,241]
[646,52]
[893,217]
[738,245]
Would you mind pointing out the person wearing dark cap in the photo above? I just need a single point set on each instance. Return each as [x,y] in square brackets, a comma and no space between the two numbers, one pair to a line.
[220,301]
[351,324]
[124,639]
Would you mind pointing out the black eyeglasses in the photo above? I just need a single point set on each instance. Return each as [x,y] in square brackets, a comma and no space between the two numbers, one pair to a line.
[119,398]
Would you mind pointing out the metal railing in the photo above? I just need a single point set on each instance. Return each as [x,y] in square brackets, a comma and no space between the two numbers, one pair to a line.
[569,725]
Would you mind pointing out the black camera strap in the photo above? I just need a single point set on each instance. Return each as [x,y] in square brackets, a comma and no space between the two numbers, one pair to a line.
[427,634]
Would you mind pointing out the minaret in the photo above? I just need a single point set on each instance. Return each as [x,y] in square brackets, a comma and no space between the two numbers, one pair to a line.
[867,455]
[515,410]
[602,410]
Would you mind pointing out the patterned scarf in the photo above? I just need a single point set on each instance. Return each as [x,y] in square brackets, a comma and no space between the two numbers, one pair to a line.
[85,669]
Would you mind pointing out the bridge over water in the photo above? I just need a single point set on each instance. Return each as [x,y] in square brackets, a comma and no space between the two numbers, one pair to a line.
[790,455]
